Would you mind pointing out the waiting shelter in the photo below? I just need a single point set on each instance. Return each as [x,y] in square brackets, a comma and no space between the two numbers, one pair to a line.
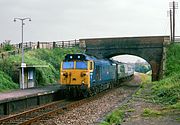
[29,75]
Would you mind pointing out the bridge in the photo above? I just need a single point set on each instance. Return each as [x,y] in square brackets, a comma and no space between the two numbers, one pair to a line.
[150,48]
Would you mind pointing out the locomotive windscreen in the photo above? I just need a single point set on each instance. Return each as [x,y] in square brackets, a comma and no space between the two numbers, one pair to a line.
[70,57]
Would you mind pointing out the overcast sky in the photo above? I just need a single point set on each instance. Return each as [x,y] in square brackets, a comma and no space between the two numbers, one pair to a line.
[128,58]
[54,20]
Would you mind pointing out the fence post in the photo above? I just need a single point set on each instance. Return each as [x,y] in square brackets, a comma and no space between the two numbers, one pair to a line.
[20,45]
[38,45]
[54,45]
[30,46]
[69,44]
[62,44]
[75,42]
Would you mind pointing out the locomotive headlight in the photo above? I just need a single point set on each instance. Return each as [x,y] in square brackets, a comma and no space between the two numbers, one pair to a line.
[64,74]
[83,74]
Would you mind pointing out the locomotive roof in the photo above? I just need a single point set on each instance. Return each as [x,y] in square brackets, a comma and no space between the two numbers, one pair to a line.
[85,57]
[82,57]
[78,56]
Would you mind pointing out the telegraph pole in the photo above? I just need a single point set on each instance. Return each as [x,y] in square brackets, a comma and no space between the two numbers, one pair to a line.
[173,5]
[170,17]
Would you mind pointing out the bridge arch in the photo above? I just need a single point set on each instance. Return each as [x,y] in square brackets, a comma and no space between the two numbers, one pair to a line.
[149,48]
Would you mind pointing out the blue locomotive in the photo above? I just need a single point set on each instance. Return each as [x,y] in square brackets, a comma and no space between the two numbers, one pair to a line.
[84,75]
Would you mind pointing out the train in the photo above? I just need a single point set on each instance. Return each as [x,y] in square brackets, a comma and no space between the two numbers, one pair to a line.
[85,75]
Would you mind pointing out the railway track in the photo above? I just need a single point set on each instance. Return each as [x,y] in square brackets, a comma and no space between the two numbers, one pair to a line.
[32,115]
[43,113]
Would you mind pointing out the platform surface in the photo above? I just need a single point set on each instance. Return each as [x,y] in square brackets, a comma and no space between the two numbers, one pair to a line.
[26,93]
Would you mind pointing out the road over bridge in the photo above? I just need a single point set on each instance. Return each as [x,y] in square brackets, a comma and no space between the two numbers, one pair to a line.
[150,48]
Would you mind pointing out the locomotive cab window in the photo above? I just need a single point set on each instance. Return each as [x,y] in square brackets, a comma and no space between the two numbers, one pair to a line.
[122,68]
[68,65]
[81,65]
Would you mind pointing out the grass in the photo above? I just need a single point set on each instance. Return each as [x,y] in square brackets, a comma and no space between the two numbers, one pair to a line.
[175,106]
[177,119]
[6,82]
[151,113]
[115,118]
[167,91]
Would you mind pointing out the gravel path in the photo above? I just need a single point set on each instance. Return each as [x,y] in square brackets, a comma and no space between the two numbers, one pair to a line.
[92,113]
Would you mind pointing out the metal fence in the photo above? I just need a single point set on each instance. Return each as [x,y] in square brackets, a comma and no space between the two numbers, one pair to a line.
[48,45]
[39,45]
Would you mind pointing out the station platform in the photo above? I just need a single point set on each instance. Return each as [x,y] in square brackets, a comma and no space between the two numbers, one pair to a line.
[27,93]
[16,100]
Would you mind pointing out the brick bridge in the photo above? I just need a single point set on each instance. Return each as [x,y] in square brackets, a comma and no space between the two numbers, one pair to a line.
[151,48]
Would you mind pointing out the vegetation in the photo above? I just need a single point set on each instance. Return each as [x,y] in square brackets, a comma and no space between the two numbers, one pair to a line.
[151,113]
[115,118]
[167,90]
[6,82]
[145,78]
[51,58]
[6,46]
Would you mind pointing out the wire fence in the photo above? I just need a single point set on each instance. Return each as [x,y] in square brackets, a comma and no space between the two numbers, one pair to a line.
[38,45]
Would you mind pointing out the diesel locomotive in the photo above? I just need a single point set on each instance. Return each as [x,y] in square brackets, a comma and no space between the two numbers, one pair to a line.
[84,75]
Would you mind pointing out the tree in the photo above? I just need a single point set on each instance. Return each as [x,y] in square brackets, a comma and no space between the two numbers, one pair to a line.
[7,46]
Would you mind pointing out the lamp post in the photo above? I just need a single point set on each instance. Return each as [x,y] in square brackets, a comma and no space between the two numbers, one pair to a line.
[22,63]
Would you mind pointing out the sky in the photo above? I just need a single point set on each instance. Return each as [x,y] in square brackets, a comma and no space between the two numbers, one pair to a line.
[128,58]
[56,20]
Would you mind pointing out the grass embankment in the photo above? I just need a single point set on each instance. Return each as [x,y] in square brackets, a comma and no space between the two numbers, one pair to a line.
[10,73]
[167,91]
